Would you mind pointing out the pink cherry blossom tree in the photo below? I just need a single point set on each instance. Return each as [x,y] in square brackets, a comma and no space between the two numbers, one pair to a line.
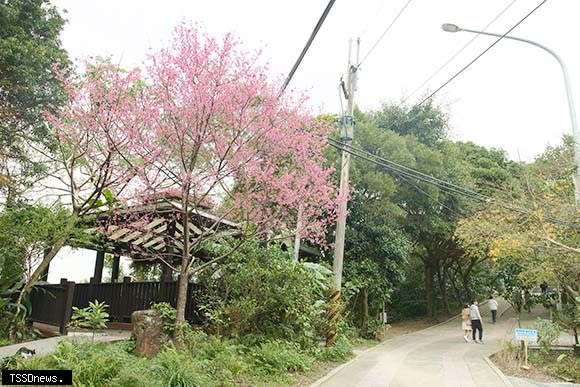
[204,124]
[221,134]
[89,162]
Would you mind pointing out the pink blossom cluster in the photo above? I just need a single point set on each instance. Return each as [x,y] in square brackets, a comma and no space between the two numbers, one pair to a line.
[202,122]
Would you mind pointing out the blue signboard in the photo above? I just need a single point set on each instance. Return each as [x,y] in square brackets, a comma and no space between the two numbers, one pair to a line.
[530,335]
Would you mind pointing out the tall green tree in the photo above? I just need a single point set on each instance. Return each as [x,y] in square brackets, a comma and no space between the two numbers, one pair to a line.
[29,47]
[541,239]
[426,214]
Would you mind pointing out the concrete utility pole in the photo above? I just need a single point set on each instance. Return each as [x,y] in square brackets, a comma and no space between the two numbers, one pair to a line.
[346,136]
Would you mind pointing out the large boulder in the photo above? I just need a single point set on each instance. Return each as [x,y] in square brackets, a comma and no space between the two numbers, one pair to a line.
[148,332]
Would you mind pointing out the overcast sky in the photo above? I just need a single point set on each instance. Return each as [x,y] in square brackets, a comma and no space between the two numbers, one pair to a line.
[512,98]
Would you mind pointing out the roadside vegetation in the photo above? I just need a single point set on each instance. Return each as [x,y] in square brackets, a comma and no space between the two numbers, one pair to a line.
[435,224]
[550,366]
[265,318]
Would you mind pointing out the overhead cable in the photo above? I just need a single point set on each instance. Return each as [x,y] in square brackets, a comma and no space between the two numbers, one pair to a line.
[426,81]
[481,54]
[307,46]
[385,32]
[441,184]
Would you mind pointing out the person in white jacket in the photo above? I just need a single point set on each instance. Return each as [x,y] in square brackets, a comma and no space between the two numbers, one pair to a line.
[493,308]
[476,322]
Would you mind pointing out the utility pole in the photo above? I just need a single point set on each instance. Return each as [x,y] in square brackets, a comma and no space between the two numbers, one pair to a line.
[346,136]
[297,236]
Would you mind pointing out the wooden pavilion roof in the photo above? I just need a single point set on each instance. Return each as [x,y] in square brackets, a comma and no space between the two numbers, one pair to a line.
[149,231]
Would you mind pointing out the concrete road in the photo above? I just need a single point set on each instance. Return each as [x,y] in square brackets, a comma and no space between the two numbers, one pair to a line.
[437,356]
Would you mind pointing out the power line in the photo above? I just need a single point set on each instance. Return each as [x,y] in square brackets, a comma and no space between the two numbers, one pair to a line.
[427,194]
[422,176]
[375,16]
[385,32]
[387,164]
[441,184]
[458,52]
[307,46]
[482,53]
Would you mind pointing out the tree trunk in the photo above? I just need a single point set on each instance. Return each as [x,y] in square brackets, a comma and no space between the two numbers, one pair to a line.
[429,290]
[458,295]
[465,283]
[364,325]
[57,245]
[182,283]
[183,275]
[183,280]
[442,279]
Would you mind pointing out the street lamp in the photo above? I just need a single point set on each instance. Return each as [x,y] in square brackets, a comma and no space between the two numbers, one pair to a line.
[448,27]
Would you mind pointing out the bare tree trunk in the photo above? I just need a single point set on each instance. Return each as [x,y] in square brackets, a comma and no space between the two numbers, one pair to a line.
[458,295]
[182,292]
[465,283]
[57,245]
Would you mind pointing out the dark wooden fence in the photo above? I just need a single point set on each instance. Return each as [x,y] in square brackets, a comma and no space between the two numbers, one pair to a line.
[126,297]
[52,304]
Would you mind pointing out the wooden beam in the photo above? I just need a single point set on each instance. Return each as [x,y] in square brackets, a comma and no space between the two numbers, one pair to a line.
[153,241]
[115,270]
[99,264]
[159,246]
[119,233]
[133,235]
[156,222]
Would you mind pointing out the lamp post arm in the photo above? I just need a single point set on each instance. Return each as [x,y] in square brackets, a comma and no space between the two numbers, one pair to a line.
[571,107]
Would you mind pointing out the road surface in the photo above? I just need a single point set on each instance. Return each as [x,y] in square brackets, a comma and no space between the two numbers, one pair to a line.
[437,356]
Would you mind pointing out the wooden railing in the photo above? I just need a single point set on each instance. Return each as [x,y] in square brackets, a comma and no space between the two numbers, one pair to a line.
[52,304]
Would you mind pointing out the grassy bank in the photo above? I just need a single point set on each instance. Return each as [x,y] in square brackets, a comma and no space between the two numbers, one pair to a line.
[204,361]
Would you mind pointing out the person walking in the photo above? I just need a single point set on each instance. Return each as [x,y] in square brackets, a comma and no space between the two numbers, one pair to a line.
[493,308]
[476,322]
[466,322]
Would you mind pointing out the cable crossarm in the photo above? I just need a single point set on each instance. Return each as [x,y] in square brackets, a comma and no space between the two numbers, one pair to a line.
[406,173]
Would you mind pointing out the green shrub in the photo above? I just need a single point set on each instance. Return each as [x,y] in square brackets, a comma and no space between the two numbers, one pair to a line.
[278,357]
[228,366]
[168,316]
[263,291]
[134,374]
[175,369]
[93,317]
[548,333]
[340,351]
[567,367]
[92,364]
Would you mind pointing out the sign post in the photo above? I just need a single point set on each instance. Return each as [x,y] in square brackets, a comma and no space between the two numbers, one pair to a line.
[526,335]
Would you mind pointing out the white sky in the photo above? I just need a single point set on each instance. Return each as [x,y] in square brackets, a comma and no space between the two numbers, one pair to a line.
[512,98]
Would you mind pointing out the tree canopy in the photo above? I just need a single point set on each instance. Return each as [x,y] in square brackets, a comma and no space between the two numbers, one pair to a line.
[29,47]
